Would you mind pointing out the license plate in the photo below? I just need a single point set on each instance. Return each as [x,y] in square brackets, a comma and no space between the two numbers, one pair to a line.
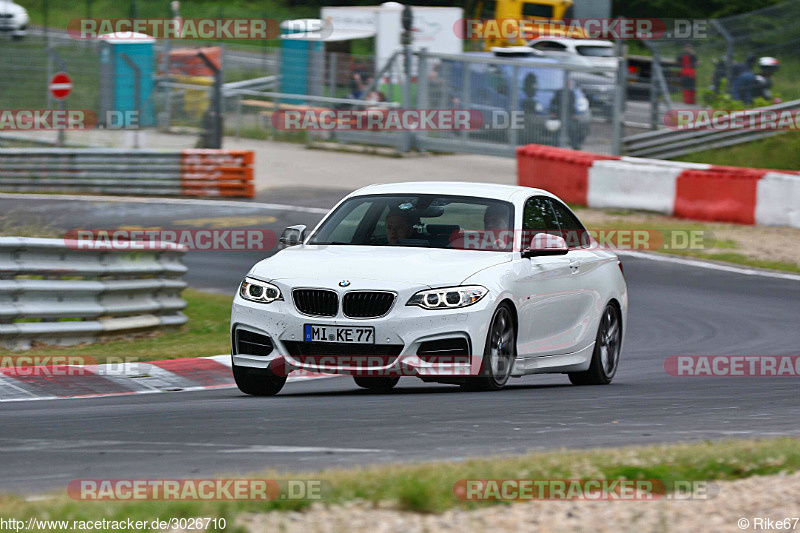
[348,335]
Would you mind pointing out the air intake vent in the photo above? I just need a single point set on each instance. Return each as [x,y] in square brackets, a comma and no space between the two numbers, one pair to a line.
[367,304]
[316,302]
[444,350]
[249,343]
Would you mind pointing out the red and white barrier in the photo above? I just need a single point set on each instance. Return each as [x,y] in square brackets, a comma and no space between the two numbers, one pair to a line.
[687,190]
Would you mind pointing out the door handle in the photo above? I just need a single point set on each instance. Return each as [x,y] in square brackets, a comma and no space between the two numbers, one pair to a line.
[574,266]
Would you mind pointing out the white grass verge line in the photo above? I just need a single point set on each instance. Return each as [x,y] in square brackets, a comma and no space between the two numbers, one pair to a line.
[179,201]
[224,359]
[699,263]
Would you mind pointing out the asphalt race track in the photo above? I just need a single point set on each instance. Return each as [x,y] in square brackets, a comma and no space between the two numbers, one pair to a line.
[675,309]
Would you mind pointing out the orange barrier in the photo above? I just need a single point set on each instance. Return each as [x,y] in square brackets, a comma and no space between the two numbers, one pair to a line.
[560,171]
[718,195]
[217,173]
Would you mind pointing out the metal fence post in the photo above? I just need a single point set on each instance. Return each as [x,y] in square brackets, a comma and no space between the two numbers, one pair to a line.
[238,116]
[137,96]
[52,55]
[619,102]
[465,96]
[216,140]
[564,118]
[513,134]
[332,74]
[729,41]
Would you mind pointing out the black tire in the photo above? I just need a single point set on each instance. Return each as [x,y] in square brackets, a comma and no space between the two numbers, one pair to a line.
[257,381]
[501,356]
[376,384]
[605,358]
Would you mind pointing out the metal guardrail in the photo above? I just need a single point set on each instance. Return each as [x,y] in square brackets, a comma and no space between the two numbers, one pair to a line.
[53,292]
[117,171]
[666,143]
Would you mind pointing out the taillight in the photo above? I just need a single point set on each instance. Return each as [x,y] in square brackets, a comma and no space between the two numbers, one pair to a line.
[621,268]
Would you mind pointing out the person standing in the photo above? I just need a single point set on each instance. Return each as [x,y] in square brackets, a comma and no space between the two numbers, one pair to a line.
[688,63]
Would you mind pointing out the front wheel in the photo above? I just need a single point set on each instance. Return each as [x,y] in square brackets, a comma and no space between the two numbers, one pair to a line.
[605,357]
[257,381]
[498,355]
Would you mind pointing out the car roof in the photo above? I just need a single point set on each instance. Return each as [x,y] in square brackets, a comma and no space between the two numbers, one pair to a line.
[576,42]
[538,59]
[457,188]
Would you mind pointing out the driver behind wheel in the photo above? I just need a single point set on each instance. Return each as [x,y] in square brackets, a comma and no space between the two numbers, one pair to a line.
[399,226]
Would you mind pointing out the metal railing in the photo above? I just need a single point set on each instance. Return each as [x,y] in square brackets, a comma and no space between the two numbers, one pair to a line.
[53,292]
[666,143]
[118,171]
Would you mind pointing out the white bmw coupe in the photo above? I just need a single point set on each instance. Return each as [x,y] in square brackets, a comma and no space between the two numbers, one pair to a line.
[462,283]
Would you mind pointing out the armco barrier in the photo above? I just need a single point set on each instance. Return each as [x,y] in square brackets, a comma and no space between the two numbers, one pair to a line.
[689,190]
[45,281]
[140,172]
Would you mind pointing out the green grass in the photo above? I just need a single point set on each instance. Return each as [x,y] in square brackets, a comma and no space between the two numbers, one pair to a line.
[781,152]
[713,249]
[740,259]
[206,333]
[428,487]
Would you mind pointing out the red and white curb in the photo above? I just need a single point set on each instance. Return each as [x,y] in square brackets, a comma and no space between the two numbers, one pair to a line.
[146,377]
[687,190]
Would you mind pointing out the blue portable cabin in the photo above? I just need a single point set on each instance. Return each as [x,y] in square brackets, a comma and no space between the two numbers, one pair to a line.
[118,79]
[301,58]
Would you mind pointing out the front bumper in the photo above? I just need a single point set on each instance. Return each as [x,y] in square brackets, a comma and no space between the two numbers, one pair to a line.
[404,328]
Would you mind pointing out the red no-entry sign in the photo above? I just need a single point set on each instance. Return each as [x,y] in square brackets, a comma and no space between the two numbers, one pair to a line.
[60,85]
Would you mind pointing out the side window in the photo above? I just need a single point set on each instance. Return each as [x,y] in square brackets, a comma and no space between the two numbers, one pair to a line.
[571,228]
[532,9]
[537,217]
[550,46]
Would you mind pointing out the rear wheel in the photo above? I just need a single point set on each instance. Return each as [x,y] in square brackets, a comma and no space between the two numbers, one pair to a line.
[257,381]
[605,357]
[498,355]
[376,384]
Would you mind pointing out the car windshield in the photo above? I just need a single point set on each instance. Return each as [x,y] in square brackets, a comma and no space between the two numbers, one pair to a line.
[595,51]
[430,221]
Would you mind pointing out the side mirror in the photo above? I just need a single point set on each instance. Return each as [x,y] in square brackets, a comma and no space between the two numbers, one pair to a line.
[292,236]
[545,244]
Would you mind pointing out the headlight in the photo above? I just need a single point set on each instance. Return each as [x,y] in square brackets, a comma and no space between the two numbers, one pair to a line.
[552,124]
[449,298]
[259,291]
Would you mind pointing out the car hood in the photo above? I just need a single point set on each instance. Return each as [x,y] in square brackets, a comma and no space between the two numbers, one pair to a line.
[421,266]
[10,8]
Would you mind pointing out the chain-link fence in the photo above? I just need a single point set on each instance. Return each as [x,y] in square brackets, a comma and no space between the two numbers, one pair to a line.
[176,87]
[731,47]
